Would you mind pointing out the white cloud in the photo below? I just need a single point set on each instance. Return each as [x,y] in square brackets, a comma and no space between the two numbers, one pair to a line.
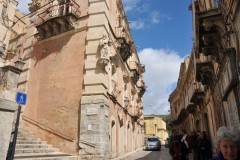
[23,6]
[130,4]
[162,69]
[137,24]
[157,17]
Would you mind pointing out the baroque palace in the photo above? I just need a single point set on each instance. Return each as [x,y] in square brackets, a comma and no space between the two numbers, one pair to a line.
[82,76]
[207,95]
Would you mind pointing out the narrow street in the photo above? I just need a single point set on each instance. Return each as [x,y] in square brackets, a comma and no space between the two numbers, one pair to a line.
[151,155]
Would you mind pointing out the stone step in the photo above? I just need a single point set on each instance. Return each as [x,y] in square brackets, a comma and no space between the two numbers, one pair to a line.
[45,156]
[33,146]
[21,134]
[30,142]
[50,158]
[36,150]
[29,147]
[28,138]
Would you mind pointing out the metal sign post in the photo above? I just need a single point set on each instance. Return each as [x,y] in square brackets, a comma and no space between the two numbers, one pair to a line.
[21,99]
[15,133]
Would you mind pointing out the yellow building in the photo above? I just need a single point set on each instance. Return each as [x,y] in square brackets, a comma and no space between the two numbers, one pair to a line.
[155,126]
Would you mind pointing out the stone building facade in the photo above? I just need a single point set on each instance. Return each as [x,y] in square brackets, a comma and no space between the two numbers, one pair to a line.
[9,74]
[207,95]
[83,77]
[154,125]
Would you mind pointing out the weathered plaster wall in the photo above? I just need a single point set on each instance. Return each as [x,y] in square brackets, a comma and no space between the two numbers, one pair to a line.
[55,86]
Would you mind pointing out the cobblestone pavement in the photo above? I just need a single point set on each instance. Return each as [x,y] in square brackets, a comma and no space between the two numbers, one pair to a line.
[151,155]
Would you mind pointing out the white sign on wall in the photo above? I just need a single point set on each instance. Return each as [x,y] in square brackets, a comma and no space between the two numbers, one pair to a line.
[92,111]
[89,127]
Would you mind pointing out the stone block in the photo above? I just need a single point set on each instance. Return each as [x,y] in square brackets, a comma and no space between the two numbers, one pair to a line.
[92,49]
[96,79]
[96,33]
[99,7]
[98,20]
[8,105]
[6,119]
[105,1]
[90,64]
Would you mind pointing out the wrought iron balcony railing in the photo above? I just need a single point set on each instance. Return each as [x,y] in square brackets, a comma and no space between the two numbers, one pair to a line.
[54,11]
[57,18]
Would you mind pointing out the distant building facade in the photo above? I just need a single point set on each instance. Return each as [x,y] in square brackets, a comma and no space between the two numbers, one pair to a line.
[83,77]
[155,126]
[207,94]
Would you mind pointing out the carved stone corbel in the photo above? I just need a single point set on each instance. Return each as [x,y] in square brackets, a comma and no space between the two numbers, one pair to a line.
[207,25]
[35,5]
[126,78]
[115,91]
[133,91]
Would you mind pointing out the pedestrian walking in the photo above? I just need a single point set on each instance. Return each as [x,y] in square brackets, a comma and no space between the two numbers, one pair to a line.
[171,138]
[196,145]
[205,147]
[187,140]
[178,149]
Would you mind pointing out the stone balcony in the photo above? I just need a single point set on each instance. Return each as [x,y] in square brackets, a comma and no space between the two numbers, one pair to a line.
[142,87]
[57,19]
[134,71]
[204,70]
[198,94]
[137,114]
[209,41]
[124,48]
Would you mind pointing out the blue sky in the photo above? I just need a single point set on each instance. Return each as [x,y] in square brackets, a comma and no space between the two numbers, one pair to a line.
[162,33]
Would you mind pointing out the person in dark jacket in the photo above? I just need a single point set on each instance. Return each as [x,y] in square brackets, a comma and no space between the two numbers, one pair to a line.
[196,146]
[228,142]
[205,146]
[178,149]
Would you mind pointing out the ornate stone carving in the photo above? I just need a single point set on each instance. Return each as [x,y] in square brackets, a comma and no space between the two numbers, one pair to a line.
[35,5]
[119,21]
[133,91]
[126,78]
[104,51]
[134,76]
[123,45]
[63,15]
[104,44]
[115,91]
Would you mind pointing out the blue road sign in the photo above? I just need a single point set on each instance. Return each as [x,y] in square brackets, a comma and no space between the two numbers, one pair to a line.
[21,98]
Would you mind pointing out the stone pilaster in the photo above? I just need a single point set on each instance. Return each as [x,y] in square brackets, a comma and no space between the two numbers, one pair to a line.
[94,122]
[94,128]
[8,106]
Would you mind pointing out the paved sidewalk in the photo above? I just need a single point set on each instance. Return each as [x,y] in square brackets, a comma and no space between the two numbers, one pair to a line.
[128,154]
[163,154]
